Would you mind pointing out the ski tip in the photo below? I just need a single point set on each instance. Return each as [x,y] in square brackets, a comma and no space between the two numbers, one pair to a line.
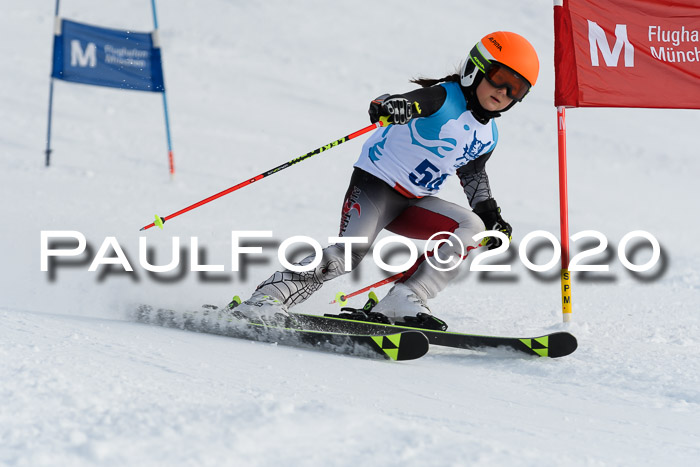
[406,345]
[563,344]
[555,345]
[341,299]
[159,222]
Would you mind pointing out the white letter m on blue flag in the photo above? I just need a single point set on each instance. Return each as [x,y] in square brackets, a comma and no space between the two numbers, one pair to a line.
[83,58]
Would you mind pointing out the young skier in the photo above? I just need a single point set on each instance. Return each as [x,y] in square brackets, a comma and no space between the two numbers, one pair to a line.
[446,127]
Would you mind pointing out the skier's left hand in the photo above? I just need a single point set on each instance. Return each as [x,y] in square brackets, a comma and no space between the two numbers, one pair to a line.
[490,213]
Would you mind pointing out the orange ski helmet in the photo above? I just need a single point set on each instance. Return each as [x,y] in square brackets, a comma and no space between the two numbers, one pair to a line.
[507,60]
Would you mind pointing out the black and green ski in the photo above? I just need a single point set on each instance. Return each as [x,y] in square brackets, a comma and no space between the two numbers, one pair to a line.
[398,345]
[553,345]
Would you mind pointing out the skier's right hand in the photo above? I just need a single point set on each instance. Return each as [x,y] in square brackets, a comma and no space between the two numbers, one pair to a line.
[390,109]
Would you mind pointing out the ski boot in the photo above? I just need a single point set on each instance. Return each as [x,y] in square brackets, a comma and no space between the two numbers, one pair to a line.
[260,309]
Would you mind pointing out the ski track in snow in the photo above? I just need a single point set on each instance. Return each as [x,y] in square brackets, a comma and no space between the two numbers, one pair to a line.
[250,86]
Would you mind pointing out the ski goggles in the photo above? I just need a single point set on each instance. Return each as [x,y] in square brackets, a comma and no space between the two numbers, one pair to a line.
[500,76]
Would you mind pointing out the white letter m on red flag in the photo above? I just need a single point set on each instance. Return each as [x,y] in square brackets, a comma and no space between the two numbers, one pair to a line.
[598,41]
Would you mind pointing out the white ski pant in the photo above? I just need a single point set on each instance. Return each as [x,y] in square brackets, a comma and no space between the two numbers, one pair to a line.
[370,206]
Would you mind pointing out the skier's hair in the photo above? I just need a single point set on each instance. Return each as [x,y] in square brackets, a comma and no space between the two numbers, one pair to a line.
[427,82]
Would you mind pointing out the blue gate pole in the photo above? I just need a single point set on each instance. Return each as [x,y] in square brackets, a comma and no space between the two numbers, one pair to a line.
[171,161]
[48,131]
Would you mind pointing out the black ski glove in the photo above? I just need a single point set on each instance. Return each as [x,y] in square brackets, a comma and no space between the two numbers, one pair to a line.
[490,213]
[390,109]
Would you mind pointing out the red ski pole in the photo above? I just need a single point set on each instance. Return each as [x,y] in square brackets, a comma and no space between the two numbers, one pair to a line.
[161,220]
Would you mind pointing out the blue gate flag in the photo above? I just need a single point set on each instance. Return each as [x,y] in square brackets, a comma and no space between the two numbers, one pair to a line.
[107,57]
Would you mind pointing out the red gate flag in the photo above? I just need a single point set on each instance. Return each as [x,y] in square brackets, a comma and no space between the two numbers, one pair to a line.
[627,53]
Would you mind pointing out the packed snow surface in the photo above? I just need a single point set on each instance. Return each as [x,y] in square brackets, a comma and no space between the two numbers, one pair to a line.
[251,85]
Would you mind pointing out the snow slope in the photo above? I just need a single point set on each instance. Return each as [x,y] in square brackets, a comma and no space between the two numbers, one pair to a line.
[252,85]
